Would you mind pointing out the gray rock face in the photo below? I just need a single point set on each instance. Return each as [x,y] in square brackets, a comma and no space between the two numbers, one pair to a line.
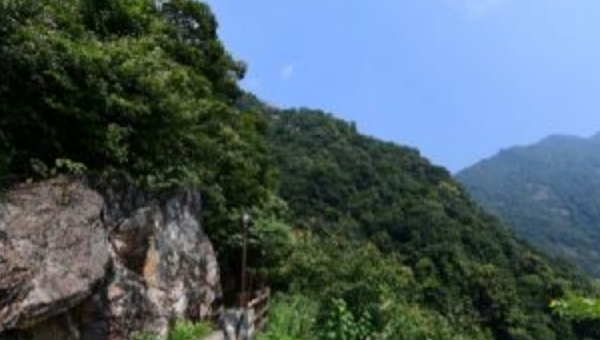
[56,251]
[76,264]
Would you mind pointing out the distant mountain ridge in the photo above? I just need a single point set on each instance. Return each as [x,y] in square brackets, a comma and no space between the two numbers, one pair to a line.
[548,192]
[339,182]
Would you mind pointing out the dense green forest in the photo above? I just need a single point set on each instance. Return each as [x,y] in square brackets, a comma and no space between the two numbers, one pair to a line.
[457,260]
[362,239]
[549,193]
[128,89]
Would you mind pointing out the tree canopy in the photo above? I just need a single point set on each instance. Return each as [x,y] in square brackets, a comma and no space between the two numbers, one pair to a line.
[124,86]
[439,249]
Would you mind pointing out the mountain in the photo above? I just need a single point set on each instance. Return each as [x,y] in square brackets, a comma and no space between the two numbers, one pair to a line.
[549,193]
[358,238]
[464,263]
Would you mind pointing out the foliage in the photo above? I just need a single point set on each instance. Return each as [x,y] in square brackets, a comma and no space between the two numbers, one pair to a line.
[298,317]
[187,330]
[135,89]
[355,195]
[334,268]
[291,317]
[413,323]
[182,330]
[269,243]
[128,87]
[62,166]
[577,307]
[549,193]
[339,323]
[583,311]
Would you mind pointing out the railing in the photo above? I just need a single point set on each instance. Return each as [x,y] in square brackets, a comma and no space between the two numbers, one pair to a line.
[243,323]
[260,305]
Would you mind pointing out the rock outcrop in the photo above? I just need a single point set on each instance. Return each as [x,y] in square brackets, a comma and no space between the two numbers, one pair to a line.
[76,264]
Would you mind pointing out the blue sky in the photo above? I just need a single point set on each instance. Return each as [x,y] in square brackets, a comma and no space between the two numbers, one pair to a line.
[458,79]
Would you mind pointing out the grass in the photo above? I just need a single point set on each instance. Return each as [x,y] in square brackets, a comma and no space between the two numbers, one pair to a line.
[183,330]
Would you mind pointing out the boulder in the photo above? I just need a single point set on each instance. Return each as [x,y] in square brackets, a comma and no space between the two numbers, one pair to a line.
[57,251]
[79,264]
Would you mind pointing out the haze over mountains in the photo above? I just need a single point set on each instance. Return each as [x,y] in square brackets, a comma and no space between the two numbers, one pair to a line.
[548,192]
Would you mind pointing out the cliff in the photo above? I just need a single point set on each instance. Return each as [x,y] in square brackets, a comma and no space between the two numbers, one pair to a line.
[77,264]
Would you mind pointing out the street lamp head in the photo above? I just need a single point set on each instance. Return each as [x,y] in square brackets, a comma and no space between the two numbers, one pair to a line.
[246,220]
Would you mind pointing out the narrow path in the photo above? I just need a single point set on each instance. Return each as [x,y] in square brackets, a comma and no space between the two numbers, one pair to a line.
[218,335]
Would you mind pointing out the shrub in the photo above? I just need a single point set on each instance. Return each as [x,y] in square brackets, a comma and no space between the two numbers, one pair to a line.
[291,317]
[183,330]
[340,323]
[187,330]
[408,322]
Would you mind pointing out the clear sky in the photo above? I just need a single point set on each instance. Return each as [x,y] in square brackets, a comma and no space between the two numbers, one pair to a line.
[458,79]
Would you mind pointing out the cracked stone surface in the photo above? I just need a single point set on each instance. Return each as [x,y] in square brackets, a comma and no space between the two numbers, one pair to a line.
[77,264]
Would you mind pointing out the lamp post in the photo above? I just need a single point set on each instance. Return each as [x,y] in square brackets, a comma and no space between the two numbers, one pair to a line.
[246,224]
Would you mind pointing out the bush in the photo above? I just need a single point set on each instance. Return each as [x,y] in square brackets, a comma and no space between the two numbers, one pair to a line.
[183,330]
[408,322]
[341,324]
[187,330]
[291,317]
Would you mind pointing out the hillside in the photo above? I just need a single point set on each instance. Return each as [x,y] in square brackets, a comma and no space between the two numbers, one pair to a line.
[463,261]
[361,239]
[549,193]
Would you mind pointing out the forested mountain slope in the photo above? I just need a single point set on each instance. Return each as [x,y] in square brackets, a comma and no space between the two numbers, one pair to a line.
[464,263]
[549,193]
[380,242]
